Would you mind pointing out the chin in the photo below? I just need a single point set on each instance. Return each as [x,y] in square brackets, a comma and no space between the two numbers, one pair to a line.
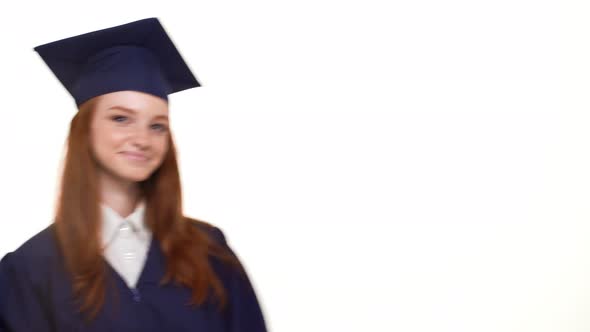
[135,175]
[128,173]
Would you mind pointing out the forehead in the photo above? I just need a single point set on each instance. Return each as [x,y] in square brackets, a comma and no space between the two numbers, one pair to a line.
[134,102]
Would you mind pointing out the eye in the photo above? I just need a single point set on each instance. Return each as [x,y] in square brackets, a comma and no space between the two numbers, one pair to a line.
[160,127]
[117,117]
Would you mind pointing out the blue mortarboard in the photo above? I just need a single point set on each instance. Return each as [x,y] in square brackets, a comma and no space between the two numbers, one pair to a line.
[135,56]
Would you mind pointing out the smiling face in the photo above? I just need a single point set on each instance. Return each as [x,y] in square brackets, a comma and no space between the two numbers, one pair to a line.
[129,134]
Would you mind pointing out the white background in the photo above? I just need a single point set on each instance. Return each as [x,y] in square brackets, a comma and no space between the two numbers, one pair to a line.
[377,165]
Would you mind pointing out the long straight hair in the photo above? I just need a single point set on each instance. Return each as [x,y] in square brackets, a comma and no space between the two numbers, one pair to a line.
[186,248]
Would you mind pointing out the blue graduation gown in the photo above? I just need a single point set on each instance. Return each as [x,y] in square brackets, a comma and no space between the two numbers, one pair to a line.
[36,296]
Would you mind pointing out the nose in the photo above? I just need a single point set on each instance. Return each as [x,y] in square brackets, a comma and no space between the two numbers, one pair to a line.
[140,137]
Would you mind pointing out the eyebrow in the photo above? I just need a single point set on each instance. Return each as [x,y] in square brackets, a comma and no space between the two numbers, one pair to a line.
[129,110]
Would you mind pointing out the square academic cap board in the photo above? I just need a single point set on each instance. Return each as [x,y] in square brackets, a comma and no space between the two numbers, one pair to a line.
[137,56]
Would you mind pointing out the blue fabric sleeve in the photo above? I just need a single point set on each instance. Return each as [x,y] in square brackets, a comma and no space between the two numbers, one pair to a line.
[244,313]
[21,303]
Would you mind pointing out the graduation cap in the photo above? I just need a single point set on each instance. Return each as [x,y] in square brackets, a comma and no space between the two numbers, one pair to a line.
[135,56]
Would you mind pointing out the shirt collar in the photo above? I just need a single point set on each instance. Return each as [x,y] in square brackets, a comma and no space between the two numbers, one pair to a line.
[112,220]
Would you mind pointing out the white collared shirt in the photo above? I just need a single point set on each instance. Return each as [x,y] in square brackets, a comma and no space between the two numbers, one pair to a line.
[126,241]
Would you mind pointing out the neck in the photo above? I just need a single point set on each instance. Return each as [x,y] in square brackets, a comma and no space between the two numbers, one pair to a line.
[121,196]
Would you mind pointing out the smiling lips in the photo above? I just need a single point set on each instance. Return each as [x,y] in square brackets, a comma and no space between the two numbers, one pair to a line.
[135,156]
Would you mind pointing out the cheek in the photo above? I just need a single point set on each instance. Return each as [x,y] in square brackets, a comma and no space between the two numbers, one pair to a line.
[106,141]
[163,147]
[109,144]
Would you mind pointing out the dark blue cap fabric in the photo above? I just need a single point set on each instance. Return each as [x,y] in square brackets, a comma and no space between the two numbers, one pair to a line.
[137,56]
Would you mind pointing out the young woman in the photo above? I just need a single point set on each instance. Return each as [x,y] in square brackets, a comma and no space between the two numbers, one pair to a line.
[119,254]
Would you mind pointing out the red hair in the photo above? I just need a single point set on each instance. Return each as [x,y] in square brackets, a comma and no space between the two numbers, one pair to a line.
[78,224]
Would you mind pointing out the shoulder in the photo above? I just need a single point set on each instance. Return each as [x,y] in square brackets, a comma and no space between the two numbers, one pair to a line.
[40,246]
[218,248]
[33,258]
[211,230]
